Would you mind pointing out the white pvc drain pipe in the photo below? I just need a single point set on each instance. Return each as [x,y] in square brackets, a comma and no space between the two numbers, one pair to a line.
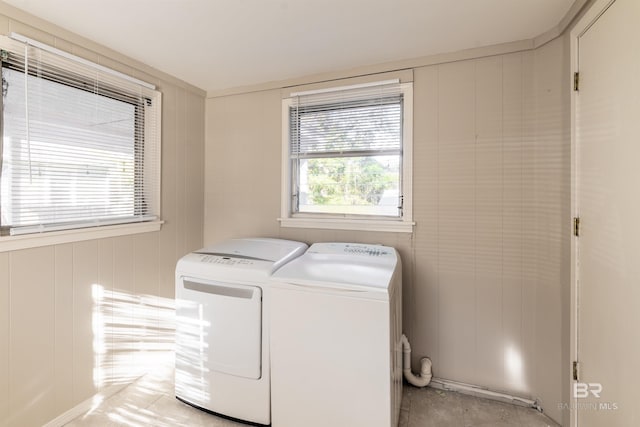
[422,379]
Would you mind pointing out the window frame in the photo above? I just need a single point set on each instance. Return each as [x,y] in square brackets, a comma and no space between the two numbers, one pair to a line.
[403,223]
[88,230]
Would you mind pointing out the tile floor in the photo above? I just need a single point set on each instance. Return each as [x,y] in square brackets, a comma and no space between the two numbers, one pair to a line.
[150,402]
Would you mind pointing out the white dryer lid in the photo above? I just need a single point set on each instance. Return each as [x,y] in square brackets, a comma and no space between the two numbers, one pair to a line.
[261,249]
[342,265]
[239,260]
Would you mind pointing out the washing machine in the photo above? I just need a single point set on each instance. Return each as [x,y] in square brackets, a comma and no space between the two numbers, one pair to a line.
[222,326]
[336,325]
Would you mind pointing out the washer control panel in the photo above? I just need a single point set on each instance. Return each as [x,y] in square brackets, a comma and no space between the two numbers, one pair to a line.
[368,250]
[352,249]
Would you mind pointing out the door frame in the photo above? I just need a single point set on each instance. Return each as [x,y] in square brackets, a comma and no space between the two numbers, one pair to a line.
[597,9]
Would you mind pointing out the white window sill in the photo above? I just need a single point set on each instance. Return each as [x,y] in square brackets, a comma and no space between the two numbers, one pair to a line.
[25,241]
[395,226]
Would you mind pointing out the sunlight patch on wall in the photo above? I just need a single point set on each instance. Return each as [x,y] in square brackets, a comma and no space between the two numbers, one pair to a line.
[131,334]
[514,368]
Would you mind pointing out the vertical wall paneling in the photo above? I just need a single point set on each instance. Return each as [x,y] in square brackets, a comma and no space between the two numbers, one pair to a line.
[104,314]
[512,222]
[456,220]
[552,195]
[63,355]
[269,167]
[123,291]
[85,279]
[31,344]
[145,247]
[489,164]
[5,308]
[181,170]
[194,171]
[421,306]
[145,288]
[243,165]
[529,215]
[169,208]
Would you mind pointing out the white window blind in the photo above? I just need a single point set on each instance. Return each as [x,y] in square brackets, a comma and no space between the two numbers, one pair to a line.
[80,145]
[346,151]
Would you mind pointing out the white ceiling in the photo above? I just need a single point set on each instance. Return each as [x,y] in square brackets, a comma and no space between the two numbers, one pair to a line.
[219,44]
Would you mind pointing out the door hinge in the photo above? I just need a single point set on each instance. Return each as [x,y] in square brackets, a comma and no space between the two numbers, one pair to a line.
[576,226]
[575,371]
[576,81]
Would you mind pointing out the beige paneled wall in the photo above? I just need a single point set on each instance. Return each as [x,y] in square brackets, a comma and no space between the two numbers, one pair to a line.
[551,210]
[79,317]
[483,271]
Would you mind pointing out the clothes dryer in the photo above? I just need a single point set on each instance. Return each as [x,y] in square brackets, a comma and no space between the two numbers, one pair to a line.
[222,326]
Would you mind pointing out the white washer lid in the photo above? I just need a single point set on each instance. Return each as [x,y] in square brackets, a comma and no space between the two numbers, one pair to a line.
[342,265]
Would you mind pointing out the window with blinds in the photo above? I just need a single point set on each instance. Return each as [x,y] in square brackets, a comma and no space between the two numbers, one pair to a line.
[80,143]
[345,149]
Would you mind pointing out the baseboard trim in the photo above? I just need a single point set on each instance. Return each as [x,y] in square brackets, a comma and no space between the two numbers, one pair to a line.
[474,390]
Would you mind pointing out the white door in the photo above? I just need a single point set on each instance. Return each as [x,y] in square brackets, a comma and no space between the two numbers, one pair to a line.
[608,202]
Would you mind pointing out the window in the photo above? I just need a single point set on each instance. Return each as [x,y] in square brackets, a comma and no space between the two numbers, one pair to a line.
[347,158]
[80,143]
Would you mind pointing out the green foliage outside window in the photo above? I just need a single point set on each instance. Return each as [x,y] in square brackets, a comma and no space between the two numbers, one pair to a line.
[349,180]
